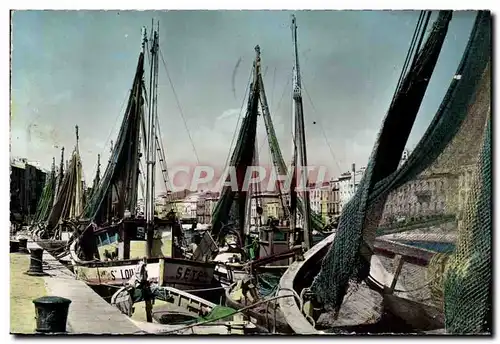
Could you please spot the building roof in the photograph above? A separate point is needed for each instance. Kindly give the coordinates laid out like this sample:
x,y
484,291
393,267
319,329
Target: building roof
x,y
345,176
22,162
18,164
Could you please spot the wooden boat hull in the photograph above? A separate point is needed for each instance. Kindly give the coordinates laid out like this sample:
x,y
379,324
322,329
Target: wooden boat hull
x,y
191,306
415,314
184,274
220,329
300,273
227,275
164,271
265,318
292,313
114,273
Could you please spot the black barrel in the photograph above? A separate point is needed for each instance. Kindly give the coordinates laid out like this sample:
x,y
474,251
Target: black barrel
x,y
51,314
23,245
14,246
36,260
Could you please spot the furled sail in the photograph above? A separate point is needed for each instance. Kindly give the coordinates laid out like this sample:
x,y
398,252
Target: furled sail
x,y
118,188
47,199
69,201
317,222
95,183
60,175
349,256
232,203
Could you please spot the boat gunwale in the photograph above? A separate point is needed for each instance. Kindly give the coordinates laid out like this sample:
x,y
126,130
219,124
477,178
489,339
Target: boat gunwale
x,y
252,313
122,262
97,264
287,303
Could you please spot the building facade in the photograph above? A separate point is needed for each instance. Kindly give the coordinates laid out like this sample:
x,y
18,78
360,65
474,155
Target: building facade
x,y
348,183
205,207
428,195
334,206
271,207
186,208
26,186
321,199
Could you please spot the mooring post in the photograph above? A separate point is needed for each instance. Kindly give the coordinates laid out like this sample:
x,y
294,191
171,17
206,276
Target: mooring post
x,y
51,314
23,245
36,261
14,246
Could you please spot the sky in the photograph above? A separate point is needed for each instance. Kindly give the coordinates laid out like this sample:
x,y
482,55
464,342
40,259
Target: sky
x,y
76,67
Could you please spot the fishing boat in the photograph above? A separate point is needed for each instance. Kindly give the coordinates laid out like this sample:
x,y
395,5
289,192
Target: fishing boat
x,y
324,278
62,199
244,293
113,236
276,242
60,206
180,312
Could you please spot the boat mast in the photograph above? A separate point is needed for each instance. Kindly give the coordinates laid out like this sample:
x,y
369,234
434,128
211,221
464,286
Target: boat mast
x,y
61,163
77,136
300,140
276,156
60,176
79,186
98,172
151,143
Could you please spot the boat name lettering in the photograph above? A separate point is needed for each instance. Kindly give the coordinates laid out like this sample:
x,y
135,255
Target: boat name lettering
x,y
126,273
190,274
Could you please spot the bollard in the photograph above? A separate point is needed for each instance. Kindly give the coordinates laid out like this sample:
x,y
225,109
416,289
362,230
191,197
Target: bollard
x,y
51,313
36,259
14,246
23,245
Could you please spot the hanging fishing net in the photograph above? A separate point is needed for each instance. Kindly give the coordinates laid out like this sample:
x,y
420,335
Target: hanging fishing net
x,y
434,209
121,172
46,200
68,203
230,209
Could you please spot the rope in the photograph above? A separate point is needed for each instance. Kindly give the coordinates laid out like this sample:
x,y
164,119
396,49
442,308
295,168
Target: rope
x,y
227,315
160,149
179,106
113,128
274,84
239,118
283,94
200,290
276,110
413,50
49,267
321,126
409,53
422,34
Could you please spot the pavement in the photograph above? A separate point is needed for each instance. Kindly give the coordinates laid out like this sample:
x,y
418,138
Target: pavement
x,y
88,312
23,290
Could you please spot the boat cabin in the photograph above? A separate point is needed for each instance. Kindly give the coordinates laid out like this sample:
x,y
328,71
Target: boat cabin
x,y
273,240
127,239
